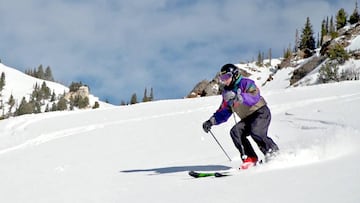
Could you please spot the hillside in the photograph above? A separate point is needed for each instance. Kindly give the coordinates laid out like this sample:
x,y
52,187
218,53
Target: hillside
x,y
297,70
21,85
141,153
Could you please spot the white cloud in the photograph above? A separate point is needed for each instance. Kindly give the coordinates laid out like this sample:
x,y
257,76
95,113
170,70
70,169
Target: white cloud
x,y
129,45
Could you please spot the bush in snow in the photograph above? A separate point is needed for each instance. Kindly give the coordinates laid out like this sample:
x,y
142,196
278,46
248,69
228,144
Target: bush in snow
x,y
329,72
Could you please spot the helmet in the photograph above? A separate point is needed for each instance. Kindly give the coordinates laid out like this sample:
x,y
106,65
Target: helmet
x,y
229,70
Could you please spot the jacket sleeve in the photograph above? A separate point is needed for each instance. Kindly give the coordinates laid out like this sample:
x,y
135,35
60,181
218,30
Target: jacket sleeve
x,y
223,113
249,92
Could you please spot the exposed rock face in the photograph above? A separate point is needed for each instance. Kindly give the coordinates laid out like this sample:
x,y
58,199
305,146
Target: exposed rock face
x,y
205,88
82,92
306,68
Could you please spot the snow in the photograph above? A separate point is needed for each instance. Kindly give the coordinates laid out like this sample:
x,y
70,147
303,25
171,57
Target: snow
x,y
355,44
142,152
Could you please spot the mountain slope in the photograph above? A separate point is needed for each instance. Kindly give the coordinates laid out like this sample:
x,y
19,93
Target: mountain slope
x,y
142,152
21,85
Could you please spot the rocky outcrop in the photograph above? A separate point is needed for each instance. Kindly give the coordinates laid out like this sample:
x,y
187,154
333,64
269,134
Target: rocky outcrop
x,y
82,92
306,68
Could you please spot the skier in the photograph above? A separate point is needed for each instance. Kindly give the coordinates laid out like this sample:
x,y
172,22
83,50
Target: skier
x,y
241,96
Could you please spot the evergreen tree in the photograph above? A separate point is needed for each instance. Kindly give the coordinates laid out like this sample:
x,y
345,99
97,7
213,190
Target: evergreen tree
x,y
297,41
151,94
307,39
332,30
338,53
47,109
96,105
48,74
75,86
341,19
11,103
2,81
83,102
355,17
133,99
145,97
45,91
287,53
54,107
324,31
260,59
40,72
327,25
61,105
25,107
53,97
329,72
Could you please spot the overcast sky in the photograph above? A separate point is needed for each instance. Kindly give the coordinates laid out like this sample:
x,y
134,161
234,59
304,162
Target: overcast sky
x,y
121,47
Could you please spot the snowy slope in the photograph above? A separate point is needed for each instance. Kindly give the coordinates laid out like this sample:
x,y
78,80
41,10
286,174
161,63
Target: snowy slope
x,y
19,85
141,153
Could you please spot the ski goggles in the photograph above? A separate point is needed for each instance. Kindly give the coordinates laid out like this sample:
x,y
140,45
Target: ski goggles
x,y
225,77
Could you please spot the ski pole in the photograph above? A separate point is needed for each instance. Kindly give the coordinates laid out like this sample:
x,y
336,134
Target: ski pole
x,y
220,145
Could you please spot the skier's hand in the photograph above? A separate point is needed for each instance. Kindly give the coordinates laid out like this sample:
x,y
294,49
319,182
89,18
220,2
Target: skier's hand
x,y
229,96
207,125
239,98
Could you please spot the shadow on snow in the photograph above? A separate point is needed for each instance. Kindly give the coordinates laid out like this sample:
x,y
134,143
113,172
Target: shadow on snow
x,y
176,169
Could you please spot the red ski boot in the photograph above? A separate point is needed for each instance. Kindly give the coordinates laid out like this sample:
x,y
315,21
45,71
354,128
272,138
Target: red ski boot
x,y
248,162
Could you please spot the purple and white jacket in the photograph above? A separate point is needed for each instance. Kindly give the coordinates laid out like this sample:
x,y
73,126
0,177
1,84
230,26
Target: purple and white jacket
x,y
251,101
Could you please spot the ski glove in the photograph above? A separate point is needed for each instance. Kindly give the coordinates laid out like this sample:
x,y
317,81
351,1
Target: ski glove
x,y
230,97
208,124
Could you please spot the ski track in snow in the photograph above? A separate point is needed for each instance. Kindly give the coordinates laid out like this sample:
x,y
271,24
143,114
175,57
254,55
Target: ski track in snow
x,y
280,108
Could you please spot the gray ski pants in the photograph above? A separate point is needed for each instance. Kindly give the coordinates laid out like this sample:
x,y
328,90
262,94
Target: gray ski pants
x,y
255,125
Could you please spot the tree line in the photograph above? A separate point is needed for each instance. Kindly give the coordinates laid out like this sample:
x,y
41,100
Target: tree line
x,y
336,53
145,98
40,73
307,41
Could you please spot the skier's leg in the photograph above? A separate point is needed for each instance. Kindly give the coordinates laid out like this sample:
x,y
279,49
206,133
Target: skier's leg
x,y
238,134
259,128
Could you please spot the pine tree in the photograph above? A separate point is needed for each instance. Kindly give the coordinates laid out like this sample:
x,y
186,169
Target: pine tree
x,y
329,72
2,81
307,39
341,19
145,97
355,17
11,103
48,74
332,29
40,72
133,99
25,107
151,94
260,59
45,91
96,105
324,31
297,41
53,97
61,105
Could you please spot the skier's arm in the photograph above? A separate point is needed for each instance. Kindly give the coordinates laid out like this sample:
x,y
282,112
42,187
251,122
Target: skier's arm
x,y
223,113
251,94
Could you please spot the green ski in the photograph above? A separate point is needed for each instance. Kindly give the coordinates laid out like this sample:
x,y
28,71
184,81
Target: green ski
x,y
208,174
